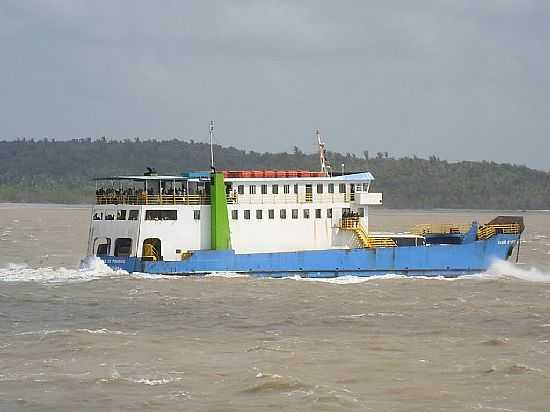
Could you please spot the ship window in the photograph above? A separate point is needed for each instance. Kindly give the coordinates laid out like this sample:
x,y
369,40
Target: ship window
x,y
329,213
247,214
133,215
271,214
240,189
282,213
196,214
331,187
98,216
361,211
358,188
342,188
161,215
264,189
365,187
296,189
103,246
121,215
252,189
306,213
234,214
109,216
259,214
286,189
317,213
294,213
275,189
123,246
319,188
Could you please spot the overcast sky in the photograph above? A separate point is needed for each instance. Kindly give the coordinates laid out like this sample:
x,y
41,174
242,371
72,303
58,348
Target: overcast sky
x,y
461,79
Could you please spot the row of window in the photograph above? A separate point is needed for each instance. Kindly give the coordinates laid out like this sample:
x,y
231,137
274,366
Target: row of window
x,y
294,213
123,247
173,214
168,214
149,215
120,215
342,188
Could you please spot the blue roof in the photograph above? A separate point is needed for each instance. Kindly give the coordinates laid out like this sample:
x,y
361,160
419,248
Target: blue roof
x,y
357,176
196,175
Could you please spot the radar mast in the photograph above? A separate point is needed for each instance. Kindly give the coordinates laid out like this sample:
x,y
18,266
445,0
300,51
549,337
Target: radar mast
x,y
325,164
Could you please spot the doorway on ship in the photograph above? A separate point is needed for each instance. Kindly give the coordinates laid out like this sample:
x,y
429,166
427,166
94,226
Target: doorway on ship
x,y
102,246
309,193
152,249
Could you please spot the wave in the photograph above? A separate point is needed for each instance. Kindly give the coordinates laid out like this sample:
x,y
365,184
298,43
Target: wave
x,y
504,269
350,279
154,276
498,270
90,268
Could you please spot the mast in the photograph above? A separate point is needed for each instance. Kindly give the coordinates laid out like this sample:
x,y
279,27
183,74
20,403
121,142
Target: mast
x,y
325,165
211,133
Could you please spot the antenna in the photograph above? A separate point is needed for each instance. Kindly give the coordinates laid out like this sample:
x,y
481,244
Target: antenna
x,y
325,166
211,133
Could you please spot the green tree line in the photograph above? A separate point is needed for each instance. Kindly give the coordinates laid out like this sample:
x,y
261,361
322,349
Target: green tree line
x,y
62,172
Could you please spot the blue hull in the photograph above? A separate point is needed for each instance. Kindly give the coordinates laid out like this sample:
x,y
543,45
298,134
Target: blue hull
x,y
432,260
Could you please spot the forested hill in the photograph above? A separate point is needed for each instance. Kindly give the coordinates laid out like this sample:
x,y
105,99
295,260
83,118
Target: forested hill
x,y
61,172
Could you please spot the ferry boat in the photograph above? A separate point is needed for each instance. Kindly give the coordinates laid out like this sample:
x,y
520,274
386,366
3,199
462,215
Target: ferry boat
x,y
276,223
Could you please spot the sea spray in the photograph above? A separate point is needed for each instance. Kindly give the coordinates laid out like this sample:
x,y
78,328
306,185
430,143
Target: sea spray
x,y
504,269
90,268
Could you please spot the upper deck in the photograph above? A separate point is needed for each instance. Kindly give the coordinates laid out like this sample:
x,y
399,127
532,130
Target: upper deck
x,y
247,186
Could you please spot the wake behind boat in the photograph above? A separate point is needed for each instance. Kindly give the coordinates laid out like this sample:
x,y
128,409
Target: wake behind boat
x,y
276,223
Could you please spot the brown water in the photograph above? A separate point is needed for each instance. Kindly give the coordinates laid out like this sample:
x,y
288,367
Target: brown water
x,y
91,339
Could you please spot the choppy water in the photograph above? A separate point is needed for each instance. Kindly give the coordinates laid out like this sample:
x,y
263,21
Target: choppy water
x,y
92,339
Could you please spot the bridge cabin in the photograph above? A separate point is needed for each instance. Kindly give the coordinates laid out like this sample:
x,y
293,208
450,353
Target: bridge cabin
x,y
167,217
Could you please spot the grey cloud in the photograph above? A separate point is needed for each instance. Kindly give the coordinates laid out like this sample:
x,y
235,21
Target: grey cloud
x,y
460,79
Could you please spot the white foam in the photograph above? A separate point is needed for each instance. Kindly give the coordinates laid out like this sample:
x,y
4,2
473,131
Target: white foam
x,y
226,275
349,279
503,269
154,382
90,268
154,276
104,331
42,332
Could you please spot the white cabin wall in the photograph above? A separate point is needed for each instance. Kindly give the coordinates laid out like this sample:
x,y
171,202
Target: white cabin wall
x,y
112,229
185,233
283,235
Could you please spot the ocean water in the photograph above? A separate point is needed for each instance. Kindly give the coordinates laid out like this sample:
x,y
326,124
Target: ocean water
x,y
83,337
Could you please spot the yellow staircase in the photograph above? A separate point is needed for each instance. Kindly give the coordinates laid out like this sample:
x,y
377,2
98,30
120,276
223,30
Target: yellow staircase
x,y
366,241
150,252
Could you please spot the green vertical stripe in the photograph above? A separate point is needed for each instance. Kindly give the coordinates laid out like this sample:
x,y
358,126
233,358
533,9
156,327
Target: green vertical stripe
x,y
219,220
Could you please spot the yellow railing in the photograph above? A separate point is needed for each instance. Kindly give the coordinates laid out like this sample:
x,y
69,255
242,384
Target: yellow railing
x,y
309,197
145,199
366,241
349,223
488,231
374,242
445,228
